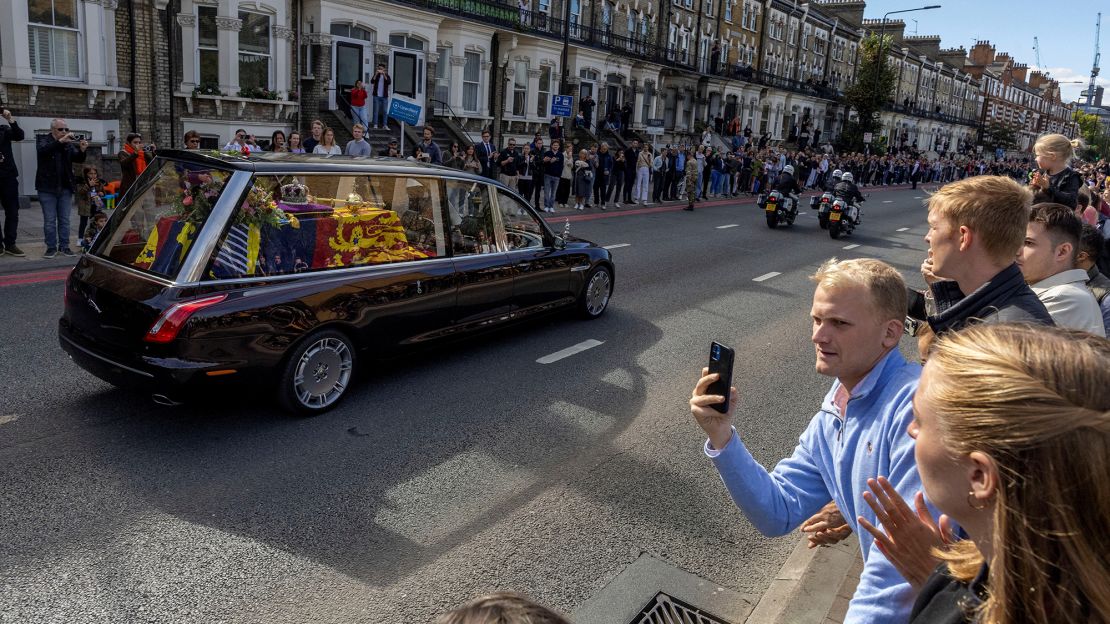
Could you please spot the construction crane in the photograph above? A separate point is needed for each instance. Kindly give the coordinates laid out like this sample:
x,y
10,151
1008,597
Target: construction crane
x,y
1037,52
1094,68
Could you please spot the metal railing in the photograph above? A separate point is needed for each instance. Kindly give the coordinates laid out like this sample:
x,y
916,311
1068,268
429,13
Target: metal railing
x,y
918,111
507,15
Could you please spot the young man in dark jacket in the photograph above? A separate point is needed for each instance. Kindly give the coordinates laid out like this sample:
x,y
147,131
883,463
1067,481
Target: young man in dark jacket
x,y
57,152
9,185
630,156
976,228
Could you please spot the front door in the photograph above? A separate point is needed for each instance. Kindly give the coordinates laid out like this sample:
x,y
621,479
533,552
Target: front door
x,y
348,68
612,98
541,273
408,75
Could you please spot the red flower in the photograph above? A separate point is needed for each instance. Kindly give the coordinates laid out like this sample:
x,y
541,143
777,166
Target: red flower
x,y
188,201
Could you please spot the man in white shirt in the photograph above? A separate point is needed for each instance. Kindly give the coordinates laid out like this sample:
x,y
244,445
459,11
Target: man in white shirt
x,y
1047,261
241,140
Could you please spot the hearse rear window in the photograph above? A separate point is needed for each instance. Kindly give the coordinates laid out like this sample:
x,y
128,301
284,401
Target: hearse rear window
x,y
158,221
303,223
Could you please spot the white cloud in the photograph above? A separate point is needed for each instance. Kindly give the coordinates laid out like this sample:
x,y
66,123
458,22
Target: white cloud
x,y
1070,92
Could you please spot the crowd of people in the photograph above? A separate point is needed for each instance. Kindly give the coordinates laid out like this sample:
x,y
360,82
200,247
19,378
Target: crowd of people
x,y
976,478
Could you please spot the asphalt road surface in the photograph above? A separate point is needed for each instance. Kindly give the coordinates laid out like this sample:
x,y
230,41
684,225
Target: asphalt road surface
x,y
459,470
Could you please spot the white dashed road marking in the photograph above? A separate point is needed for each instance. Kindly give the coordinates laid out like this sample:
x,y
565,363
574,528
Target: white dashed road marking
x,y
917,197
618,245
8,418
888,201
730,225
903,229
852,246
766,276
569,351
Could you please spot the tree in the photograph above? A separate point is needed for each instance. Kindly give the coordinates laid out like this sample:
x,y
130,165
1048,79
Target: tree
x,y
1094,134
874,87
996,135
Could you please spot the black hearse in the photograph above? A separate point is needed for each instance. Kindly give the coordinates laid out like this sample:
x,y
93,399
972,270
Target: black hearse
x,y
286,267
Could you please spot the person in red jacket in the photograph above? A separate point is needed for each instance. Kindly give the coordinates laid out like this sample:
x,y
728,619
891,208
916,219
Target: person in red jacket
x,y
358,104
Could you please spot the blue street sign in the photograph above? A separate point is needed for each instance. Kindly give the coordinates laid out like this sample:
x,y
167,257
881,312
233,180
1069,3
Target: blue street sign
x,y
405,112
562,105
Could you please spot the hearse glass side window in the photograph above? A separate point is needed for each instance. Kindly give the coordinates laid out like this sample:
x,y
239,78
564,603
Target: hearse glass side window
x,y
471,212
522,228
155,227
303,223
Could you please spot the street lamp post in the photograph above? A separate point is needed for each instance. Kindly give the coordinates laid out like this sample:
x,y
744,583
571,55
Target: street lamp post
x,y
882,40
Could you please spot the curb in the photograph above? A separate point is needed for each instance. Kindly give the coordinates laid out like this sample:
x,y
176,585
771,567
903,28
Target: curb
x,y
812,587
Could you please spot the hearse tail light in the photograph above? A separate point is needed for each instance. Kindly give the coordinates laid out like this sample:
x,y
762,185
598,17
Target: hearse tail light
x,y
166,328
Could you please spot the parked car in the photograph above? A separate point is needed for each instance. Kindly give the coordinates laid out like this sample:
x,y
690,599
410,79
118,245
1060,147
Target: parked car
x,y
288,269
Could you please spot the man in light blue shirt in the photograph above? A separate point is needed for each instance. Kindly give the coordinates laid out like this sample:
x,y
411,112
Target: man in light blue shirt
x,y
859,433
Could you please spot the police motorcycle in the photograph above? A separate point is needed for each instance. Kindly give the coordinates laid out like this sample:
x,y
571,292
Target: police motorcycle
x,y
823,202
844,215
778,206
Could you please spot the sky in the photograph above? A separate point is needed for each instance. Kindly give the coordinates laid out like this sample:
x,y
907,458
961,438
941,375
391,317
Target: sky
x,y
1065,29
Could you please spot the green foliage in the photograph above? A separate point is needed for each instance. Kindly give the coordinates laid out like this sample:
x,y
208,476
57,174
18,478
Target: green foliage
x,y
258,93
996,135
1094,134
874,87
207,88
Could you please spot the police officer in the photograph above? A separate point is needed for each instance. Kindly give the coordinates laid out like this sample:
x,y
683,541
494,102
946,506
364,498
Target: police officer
x,y
846,189
787,185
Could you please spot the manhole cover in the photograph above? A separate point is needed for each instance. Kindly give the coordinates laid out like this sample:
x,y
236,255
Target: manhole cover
x,y
664,609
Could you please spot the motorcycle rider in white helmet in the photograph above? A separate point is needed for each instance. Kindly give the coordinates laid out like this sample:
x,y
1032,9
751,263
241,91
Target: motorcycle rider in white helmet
x,y
847,190
787,185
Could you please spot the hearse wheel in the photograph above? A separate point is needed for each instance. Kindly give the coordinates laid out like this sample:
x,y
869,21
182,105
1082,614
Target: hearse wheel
x,y
317,373
595,295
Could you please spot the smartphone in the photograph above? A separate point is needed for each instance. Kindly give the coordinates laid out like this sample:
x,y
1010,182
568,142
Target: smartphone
x,y
720,362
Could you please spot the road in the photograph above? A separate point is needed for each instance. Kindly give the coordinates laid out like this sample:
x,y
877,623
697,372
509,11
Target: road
x,y
467,468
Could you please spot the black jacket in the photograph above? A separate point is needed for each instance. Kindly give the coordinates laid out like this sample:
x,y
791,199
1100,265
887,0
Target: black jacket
x,y
786,183
944,600
486,157
7,159
1005,298
1063,188
848,190
55,160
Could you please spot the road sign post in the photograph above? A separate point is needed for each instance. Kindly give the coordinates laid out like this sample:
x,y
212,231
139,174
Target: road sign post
x,y
405,111
562,105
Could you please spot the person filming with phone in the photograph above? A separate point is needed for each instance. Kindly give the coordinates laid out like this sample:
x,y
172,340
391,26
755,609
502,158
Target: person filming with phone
x,y
858,433
57,152
133,159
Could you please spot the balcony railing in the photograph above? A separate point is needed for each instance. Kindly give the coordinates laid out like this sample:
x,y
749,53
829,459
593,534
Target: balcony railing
x,y
507,15
931,114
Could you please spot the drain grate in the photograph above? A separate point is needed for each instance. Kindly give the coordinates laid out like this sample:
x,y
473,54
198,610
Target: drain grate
x,y
664,609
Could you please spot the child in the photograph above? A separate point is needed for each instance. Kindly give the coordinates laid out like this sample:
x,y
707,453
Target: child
x,y
89,195
99,220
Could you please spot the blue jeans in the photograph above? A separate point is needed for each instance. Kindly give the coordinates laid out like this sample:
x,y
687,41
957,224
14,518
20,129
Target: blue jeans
x,y
381,107
550,186
55,218
359,115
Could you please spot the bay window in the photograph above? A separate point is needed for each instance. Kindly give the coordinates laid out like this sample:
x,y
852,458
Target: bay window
x,y
472,72
53,37
254,51
208,53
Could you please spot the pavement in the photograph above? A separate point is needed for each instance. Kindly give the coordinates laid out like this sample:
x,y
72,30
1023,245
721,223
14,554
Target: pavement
x,y
463,468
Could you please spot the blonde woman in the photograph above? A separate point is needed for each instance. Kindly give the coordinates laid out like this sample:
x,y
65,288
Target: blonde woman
x,y
327,144
643,176
566,178
1012,431
1055,181
583,179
